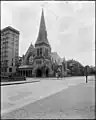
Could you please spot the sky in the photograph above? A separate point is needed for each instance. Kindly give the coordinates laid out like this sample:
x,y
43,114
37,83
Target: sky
x,y
70,26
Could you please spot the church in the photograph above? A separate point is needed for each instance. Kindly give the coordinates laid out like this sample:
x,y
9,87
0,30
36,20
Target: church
x,y
38,60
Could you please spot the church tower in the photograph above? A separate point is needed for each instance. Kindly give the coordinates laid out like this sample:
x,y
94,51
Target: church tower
x,y
42,47
42,44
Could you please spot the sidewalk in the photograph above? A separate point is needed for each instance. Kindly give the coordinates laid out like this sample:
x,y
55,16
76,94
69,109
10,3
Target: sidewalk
x,y
28,80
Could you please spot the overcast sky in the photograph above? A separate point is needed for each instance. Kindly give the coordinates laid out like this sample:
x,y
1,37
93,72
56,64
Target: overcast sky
x,y
70,26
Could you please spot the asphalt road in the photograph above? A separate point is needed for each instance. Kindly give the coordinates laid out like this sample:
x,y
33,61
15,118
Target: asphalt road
x,y
76,101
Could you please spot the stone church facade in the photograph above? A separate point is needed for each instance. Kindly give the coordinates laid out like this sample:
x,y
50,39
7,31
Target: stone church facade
x,y
37,62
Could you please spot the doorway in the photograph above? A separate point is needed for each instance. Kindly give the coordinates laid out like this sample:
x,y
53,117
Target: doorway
x,y
39,73
47,71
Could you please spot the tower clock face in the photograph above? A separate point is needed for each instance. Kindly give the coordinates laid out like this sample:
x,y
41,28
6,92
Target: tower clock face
x,y
30,59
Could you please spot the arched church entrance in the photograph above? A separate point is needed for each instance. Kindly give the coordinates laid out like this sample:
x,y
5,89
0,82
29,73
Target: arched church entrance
x,y
47,72
38,73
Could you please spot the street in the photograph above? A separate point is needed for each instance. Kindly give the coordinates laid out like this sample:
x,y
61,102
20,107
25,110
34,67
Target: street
x,y
50,98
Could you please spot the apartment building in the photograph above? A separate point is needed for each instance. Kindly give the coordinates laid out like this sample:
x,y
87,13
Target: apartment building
x,y
9,49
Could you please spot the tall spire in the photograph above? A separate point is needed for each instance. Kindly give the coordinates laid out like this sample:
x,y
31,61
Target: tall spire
x,y
42,36
42,22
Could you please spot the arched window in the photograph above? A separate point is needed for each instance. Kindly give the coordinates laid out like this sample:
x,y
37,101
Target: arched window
x,y
37,51
40,51
30,59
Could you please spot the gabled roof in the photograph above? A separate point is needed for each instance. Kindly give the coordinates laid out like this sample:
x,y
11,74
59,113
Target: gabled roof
x,y
42,36
28,53
31,47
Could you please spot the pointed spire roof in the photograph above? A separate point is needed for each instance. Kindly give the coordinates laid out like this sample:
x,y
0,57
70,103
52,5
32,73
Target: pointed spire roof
x,y
42,36
42,22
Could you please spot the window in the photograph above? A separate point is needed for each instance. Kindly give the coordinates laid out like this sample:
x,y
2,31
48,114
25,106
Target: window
x,y
12,63
16,50
16,45
30,59
5,56
5,69
46,52
37,52
10,69
7,37
40,51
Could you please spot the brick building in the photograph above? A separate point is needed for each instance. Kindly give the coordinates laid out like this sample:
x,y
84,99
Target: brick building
x,y
9,49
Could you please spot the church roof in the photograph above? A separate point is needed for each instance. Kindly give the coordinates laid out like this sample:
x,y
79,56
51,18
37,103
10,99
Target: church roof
x,y
56,57
30,49
42,36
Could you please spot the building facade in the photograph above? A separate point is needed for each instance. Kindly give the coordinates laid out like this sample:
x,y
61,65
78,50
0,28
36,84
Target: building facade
x,y
9,49
38,60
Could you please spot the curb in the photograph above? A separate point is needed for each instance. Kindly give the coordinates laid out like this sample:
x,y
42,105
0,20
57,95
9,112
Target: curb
x,y
17,83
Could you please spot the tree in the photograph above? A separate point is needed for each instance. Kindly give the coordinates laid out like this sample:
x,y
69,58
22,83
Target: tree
x,y
76,68
90,69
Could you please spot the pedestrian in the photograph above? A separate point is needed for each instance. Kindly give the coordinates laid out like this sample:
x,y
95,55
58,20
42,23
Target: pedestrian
x,y
86,73
86,78
58,75
58,72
